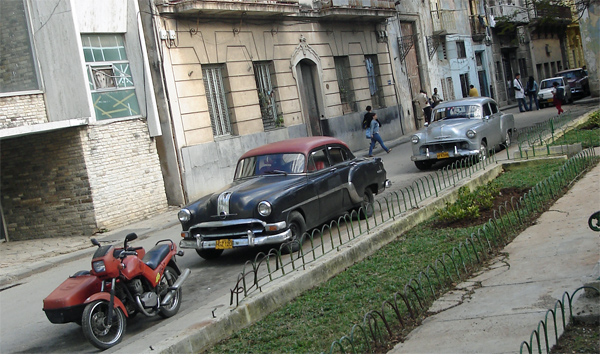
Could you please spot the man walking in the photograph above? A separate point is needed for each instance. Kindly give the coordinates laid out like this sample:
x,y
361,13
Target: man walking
x,y
424,104
435,98
520,93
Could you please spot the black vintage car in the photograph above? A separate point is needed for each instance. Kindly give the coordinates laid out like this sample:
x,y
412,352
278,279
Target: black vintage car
x,y
279,191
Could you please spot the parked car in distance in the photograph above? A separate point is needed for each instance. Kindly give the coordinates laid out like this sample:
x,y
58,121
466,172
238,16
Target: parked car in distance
x,y
577,80
462,128
545,93
279,191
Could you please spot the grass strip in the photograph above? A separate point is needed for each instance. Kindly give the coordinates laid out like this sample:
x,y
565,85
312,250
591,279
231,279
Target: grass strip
x,y
311,322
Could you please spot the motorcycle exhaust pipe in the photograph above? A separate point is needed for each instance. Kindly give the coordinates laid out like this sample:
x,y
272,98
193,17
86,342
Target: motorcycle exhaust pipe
x,y
173,288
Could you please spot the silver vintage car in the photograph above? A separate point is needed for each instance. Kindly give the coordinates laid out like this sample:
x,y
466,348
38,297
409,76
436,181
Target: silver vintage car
x,y
462,128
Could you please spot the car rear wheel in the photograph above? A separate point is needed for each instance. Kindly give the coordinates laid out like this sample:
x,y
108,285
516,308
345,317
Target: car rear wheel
x,y
423,165
366,206
209,254
298,228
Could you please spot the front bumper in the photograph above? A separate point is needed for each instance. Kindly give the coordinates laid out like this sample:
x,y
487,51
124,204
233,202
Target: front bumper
x,y
442,155
250,240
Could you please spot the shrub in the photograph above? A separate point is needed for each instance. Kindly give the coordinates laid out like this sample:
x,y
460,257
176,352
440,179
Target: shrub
x,y
468,204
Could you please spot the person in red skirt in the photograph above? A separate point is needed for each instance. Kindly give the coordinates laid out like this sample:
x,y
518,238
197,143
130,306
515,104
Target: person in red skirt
x,y
557,96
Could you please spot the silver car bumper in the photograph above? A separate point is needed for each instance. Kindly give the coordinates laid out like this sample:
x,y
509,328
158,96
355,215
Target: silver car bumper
x,y
457,153
249,241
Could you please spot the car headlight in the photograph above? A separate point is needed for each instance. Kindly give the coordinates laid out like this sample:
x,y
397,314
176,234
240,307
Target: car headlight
x,y
184,215
471,134
415,139
264,208
99,266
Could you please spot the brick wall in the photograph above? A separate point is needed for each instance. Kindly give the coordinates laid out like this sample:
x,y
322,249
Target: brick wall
x,y
16,111
124,173
44,185
80,180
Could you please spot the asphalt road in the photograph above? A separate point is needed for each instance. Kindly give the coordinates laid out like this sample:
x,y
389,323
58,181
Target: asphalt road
x,y
25,328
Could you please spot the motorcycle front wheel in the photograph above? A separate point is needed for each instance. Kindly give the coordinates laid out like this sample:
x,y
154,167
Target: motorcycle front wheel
x,y
95,325
170,309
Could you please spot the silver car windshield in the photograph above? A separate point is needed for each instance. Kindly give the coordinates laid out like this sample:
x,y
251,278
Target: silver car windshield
x,y
463,111
270,164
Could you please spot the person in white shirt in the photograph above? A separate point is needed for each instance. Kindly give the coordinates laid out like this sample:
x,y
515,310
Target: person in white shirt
x,y
520,93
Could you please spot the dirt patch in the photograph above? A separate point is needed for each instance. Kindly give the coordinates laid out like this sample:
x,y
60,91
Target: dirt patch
x,y
504,198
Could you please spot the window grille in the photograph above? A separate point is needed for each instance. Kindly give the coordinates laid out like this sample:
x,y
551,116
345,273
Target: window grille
x,y
372,65
217,102
266,95
342,70
464,84
109,76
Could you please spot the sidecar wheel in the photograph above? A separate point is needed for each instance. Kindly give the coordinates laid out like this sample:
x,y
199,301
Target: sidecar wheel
x,y
170,309
95,328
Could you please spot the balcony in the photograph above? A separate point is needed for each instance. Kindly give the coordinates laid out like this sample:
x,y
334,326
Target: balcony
x,y
443,22
551,15
357,10
477,24
228,8
509,13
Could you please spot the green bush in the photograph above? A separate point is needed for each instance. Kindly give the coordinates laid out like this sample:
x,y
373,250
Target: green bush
x,y
468,204
592,123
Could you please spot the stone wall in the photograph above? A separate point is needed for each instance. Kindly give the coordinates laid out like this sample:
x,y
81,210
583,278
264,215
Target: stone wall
x,y
124,172
16,111
45,187
78,181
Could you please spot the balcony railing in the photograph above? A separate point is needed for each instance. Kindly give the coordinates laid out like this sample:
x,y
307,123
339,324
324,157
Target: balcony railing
x,y
443,21
477,27
510,13
359,4
554,12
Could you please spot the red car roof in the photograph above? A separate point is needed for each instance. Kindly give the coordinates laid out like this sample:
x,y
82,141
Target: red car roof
x,y
301,145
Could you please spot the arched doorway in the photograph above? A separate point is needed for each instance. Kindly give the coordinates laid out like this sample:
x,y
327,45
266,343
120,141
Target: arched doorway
x,y
309,95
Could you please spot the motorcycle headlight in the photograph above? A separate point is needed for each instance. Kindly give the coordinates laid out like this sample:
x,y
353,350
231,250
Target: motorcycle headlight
x,y
471,134
99,266
264,208
184,215
415,139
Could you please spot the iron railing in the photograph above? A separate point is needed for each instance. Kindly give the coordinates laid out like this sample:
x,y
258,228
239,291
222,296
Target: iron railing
x,y
405,306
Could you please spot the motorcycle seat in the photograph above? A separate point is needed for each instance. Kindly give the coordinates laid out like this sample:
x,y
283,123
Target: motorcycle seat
x,y
156,255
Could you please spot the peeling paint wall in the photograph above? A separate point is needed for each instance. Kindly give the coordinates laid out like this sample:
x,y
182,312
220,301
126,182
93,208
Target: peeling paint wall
x,y
590,36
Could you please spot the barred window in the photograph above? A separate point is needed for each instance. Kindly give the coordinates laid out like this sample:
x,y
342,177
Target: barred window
x,y
375,88
217,102
109,76
461,52
266,95
344,79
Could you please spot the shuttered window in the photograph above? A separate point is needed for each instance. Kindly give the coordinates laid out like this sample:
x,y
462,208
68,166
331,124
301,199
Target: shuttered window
x,y
342,71
217,101
266,95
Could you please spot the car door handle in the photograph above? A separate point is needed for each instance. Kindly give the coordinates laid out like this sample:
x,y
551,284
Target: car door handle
x,y
333,169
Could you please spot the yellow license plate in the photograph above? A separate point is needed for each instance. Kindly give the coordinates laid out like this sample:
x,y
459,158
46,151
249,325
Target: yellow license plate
x,y
224,244
443,155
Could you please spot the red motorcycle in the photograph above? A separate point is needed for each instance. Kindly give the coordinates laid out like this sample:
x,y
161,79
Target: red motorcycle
x,y
123,282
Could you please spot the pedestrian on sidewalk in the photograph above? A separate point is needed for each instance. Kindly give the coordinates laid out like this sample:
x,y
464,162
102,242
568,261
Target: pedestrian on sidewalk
x,y
435,98
557,96
424,104
473,91
532,91
520,93
375,137
367,118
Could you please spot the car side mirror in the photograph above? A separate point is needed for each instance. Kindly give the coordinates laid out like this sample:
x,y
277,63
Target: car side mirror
x,y
426,124
486,118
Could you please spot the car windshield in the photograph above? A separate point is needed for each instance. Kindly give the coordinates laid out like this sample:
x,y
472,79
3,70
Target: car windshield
x,y
548,83
270,164
464,111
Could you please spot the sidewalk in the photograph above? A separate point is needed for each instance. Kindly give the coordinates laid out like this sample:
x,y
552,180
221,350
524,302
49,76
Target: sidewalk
x,y
498,309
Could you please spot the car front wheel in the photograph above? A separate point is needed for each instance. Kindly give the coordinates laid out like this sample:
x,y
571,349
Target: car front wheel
x,y
483,151
298,228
